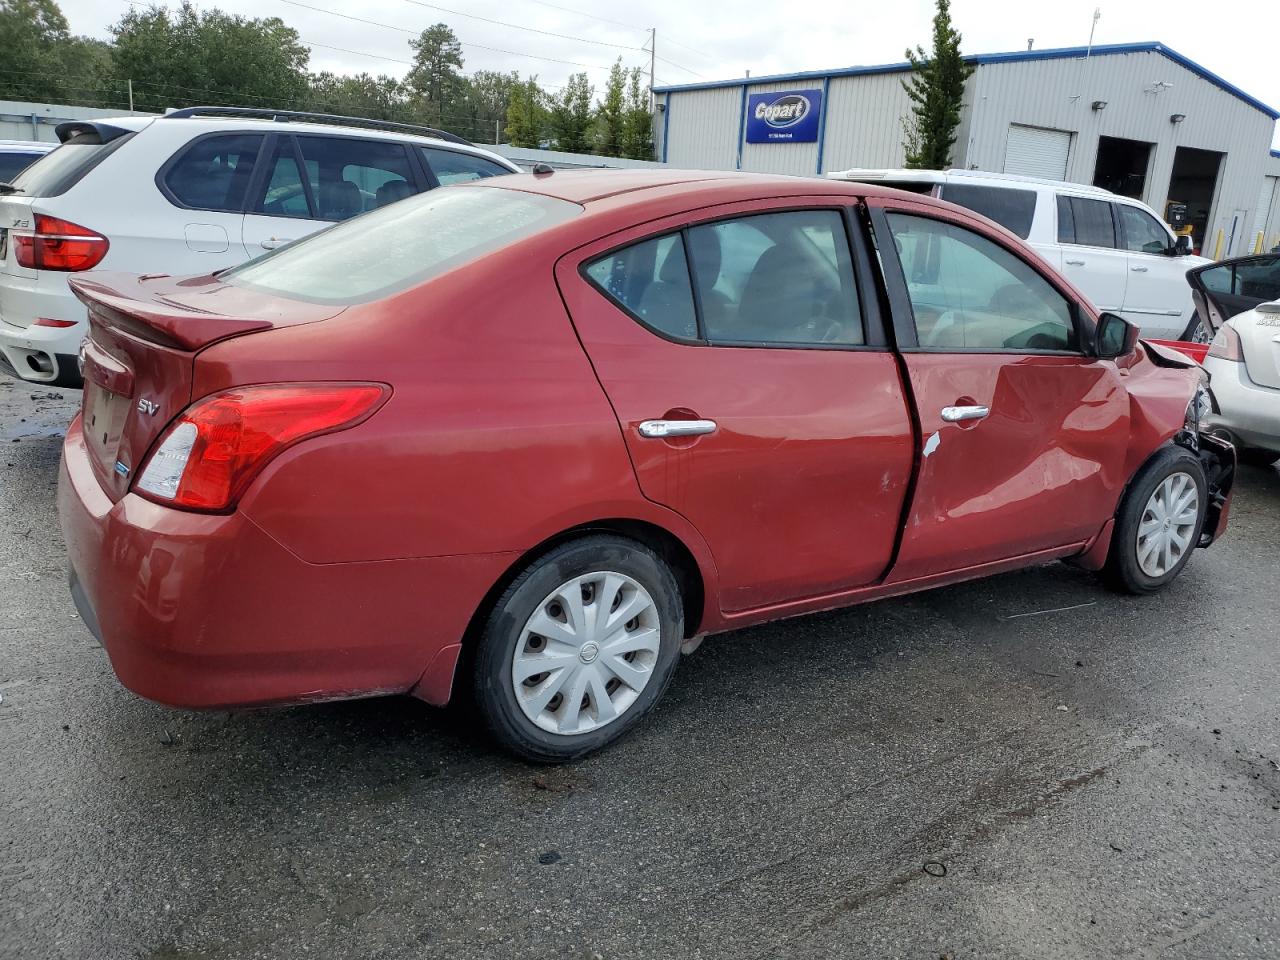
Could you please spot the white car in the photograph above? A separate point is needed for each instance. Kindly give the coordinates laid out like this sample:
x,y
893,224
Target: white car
x,y
1116,250
191,192
1241,300
17,155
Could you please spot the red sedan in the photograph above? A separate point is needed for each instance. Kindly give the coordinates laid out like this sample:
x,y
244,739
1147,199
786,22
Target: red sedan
x,y
525,439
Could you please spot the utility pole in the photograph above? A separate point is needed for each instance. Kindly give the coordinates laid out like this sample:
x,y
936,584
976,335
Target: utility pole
x,y
653,53
131,95
497,132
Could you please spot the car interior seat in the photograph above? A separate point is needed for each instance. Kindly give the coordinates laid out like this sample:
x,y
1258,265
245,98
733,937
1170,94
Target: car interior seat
x,y
339,200
391,191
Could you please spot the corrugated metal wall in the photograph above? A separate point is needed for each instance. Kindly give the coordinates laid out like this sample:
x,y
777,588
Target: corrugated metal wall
x,y
1059,94
863,126
20,120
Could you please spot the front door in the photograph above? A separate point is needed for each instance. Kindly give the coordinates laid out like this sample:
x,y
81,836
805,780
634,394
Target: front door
x,y
1156,298
757,397
1023,435
1088,252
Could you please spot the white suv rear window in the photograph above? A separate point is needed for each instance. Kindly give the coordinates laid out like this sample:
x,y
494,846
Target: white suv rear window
x,y
392,248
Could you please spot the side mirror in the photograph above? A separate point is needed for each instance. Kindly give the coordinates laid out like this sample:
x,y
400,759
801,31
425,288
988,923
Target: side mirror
x,y
1182,246
1114,337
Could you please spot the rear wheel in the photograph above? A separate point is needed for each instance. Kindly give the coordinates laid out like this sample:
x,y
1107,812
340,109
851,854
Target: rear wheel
x,y
1196,331
579,648
1159,523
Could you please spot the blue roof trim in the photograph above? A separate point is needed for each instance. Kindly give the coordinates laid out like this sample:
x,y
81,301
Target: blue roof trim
x,y
1058,53
1276,154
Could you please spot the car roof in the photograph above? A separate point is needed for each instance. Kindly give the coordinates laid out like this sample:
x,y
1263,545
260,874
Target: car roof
x,y
942,176
26,146
588,186
205,124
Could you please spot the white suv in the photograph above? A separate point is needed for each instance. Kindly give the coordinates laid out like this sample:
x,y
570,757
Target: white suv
x,y
191,192
1114,249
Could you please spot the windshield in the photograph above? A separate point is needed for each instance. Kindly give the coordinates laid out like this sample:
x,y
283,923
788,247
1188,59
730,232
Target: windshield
x,y
395,247
61,169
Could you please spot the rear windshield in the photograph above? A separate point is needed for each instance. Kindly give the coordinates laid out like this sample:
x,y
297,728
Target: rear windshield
x,y
61,169
400,245
1012,209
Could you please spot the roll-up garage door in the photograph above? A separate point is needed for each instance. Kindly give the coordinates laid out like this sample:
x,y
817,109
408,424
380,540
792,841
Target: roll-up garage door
x,y
1037,152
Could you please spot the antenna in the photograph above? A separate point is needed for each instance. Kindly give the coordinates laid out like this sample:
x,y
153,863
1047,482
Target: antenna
x,y
1097,15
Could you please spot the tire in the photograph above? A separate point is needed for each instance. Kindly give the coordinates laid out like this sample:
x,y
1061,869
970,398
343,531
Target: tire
x,y
1130,567
535,719
1196,331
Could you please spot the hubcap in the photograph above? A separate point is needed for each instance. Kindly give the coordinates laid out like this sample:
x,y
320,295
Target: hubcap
x,y
586,653
1167,524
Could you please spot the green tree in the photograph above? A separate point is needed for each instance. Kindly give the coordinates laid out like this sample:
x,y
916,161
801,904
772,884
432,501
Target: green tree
x,y
570,115
43,62
377,98
637,121
436,78
609,113
936,89
482,112
186,57
526,115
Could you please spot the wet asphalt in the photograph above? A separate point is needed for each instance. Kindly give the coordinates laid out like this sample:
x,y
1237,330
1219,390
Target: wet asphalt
x,y
958,774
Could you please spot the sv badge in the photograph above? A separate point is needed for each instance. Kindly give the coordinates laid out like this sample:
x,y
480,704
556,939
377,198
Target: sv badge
x,y
148,407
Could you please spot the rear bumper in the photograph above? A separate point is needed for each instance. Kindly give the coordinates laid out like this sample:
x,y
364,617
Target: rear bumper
x,y
40,354
209,611
1249,411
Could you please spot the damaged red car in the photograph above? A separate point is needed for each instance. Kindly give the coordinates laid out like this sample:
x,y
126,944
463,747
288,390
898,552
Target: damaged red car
x,y
527,438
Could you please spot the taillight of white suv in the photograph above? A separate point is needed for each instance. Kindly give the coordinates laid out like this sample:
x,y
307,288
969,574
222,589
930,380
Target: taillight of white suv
x,y
59,244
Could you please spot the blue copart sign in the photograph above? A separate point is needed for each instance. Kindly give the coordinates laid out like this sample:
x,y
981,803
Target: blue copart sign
x,y
784,116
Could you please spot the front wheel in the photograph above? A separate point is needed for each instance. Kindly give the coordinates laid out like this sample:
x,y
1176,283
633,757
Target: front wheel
x,y
579,648
1158,524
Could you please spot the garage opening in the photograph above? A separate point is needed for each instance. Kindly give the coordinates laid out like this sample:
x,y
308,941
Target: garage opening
x,y
1122,166
1194,182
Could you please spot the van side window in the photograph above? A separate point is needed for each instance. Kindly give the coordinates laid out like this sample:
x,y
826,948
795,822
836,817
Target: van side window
x,y
213,172
1085,222
650,280
1012,209
1141,232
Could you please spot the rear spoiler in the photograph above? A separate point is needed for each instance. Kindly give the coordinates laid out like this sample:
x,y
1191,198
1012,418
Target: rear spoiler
x,y
120,301
100,132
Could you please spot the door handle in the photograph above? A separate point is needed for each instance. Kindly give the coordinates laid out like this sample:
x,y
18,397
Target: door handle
x,y
1139,269
272,242
657,429
1075,263
957,414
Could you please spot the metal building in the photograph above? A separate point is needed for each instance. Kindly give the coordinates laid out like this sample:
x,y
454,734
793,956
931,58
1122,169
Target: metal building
x,y
1139,119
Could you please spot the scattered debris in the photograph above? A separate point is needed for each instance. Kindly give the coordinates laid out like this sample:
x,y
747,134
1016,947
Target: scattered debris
x,y
935,868
66,726
1115,848
1217,732
1079,663
168,739
1037,613
1064,708
1042,673
548,858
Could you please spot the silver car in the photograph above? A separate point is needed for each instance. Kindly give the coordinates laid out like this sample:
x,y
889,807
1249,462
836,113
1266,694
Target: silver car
x,y
1241,299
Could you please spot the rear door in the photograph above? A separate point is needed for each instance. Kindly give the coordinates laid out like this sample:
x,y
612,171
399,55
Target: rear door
x,y
1088,248
1226,290
1155,297
1024,435
755,392
282,207
207,181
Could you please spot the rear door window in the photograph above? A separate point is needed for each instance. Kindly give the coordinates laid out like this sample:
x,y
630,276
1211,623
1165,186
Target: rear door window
x,y
777,278
1085,222
347,173
213,173
283,193
452,166
1012,209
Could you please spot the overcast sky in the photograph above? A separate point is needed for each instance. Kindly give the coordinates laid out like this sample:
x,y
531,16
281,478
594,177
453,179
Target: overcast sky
x,y
719,39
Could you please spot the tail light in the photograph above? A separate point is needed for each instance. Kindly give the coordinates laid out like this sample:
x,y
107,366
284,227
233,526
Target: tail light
x,y
59,245
207,457
1226,344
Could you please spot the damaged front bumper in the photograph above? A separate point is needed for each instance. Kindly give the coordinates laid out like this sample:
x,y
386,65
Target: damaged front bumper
x,y
1218,458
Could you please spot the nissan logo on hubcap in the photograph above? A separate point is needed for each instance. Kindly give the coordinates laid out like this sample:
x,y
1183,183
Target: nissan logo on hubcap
x,y
590,650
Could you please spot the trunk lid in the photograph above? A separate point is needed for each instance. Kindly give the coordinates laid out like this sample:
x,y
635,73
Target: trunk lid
x,y
1260,339
145,333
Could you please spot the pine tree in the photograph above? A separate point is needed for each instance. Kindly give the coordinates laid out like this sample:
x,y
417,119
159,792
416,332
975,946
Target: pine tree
x,y
637,121
570,119
936,89
526,115
609,114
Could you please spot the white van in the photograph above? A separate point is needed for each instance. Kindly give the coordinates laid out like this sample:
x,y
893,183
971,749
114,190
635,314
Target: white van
x,y
1115,249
